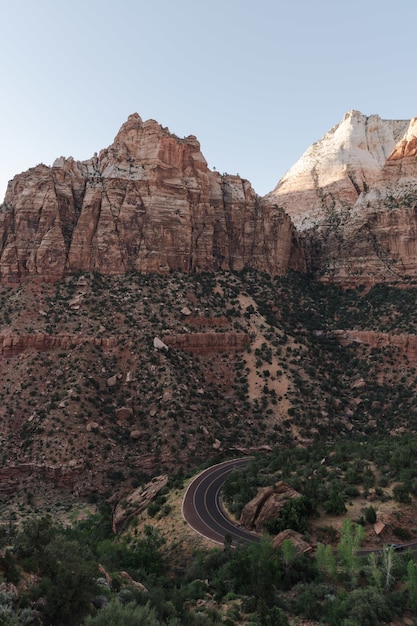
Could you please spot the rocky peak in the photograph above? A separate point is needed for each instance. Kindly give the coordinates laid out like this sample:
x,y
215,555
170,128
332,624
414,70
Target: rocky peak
x,y
333,172
407,146
148,202
146,144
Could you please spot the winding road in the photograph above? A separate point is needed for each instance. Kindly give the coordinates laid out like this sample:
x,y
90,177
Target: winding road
x,y
202,508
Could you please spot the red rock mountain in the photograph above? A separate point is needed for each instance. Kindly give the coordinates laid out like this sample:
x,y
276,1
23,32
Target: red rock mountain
x,y
149,203
146,203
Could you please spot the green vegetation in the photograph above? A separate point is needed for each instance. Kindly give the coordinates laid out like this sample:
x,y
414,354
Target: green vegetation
x,y
328,475
340,419
253,584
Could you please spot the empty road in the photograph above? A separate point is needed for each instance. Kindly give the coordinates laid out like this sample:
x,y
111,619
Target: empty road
x,y
202,508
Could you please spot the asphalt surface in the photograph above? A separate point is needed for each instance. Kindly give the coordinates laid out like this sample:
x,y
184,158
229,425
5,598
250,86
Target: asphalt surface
x,y
203,510
202,507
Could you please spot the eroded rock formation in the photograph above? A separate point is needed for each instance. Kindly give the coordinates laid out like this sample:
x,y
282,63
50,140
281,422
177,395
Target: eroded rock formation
x,y
354,195
146,203
12,343
149,203
407,344
205,343
333,172
266,506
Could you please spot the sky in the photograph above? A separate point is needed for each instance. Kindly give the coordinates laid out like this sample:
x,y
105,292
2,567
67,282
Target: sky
x,y
256,82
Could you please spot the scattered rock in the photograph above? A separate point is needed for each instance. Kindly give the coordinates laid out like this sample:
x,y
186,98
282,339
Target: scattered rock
x,y
167,395
159,345
359,384
123,413
76,302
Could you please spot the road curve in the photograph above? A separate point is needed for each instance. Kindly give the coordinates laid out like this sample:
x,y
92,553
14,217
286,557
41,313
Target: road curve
x,y
202,508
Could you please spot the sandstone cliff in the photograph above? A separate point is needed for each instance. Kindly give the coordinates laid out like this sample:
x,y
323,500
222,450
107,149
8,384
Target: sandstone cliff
x,y
377,240
333,172
354,196
149,203
146,203
407,344
208,342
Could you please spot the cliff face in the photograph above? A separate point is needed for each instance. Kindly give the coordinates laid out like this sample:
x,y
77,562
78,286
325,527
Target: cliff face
x,y
354,196
333,172
146,203
377,239
149,203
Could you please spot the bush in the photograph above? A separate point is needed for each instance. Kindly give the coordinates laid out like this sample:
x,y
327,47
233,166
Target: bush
x,y
401,494
118,614
370,515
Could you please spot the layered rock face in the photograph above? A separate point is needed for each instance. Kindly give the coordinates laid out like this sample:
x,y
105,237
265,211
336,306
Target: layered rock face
x,y
147,203
209,342
354,196
377,240
12,344
406,343
332,173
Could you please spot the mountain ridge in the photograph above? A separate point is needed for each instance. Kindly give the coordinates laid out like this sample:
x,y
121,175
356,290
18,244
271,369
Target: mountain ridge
x,y
149,203
146,203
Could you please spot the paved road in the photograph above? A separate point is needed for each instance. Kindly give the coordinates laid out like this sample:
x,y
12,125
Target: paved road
x,y
202,508
203,511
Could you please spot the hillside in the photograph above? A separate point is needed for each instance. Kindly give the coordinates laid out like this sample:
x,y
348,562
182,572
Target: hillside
x,y
90,404
157,317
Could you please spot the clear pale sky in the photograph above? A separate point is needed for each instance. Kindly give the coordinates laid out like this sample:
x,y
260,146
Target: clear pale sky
x,y
256,82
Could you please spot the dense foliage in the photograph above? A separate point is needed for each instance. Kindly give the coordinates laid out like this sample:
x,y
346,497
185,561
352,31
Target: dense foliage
x,y
328,475
254,584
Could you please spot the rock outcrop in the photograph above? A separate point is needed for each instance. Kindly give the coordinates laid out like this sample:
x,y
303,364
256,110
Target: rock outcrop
x,y
354,195
147,203
209,342
136,502
12,476
407,344
267,505
12,343
333,172
300,545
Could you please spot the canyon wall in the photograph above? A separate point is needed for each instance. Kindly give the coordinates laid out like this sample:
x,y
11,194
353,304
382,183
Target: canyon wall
x,y
353,195
346,211
147,203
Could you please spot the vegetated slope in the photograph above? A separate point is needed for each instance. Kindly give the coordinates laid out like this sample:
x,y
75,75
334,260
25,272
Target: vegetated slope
x,y
88,402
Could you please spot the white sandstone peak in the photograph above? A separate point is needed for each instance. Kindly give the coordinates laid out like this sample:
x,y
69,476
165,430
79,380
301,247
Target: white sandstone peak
x,y
335,170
